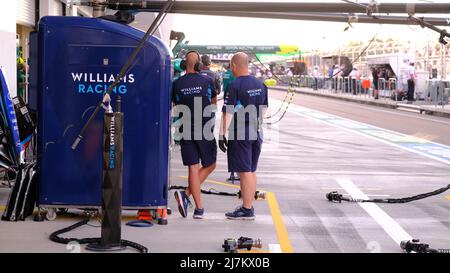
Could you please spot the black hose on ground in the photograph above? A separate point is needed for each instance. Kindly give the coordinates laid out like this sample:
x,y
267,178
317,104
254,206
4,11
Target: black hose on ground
x,y
334,196
258,194
210,191
54,237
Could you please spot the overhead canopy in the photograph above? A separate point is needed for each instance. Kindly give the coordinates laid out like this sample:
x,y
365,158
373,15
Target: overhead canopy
x,y
327,17
342,11
228,6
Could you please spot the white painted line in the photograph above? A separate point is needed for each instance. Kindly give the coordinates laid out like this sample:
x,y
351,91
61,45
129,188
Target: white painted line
x,y
274,248
392,228
375,195
366,189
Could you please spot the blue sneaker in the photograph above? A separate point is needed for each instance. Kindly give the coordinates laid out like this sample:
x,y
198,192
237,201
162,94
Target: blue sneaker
x,y
198,213
183,202
241,213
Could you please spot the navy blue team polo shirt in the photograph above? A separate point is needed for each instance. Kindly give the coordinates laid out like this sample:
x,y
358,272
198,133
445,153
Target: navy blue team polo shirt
x,y
185,90
244,148
243,92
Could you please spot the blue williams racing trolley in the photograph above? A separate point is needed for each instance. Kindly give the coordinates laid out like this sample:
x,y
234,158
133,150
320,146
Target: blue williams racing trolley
x,y
75,60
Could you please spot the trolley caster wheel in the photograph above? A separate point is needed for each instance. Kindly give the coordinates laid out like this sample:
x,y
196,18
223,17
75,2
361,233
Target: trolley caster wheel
x,y
62,210
98,213
169,211
39,218
154,214
162,222
51,215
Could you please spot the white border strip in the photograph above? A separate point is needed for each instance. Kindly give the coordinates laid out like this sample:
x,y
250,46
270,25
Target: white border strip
x,y
392,228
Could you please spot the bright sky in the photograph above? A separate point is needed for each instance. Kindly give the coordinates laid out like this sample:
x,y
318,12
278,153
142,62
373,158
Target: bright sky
x,y
307,35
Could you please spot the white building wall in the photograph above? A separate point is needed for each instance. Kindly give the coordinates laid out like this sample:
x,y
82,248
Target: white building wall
x,y
8,43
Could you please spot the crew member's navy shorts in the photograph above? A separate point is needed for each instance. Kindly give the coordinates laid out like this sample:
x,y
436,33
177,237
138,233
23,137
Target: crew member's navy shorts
x,y
194,151
243,155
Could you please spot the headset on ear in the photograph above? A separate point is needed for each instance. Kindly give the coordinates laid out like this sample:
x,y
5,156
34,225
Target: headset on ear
x,y
198,65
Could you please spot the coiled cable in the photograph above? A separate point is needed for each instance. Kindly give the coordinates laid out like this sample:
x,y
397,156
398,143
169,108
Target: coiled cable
x,y
54,237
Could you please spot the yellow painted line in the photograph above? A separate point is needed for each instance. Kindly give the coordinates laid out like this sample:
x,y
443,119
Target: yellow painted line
x,y
217,183
448,197
2,207
223,184
280,227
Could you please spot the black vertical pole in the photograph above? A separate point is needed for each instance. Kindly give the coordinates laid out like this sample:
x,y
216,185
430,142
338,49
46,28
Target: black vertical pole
x,y
112,182
37,14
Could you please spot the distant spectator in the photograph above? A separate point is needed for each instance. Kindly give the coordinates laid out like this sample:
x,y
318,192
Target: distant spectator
x,y
354,77
336,75
267,75
375,73
289,73
390,74
262,73
315,75
330,77
411,82
355,73
330,72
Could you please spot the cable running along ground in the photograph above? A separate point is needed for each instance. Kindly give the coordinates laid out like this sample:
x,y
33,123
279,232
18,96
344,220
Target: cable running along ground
x,y
334,196
54,237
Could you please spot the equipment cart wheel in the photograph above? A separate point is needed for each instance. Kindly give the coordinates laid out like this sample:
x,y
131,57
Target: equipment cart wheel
x,y
39,217
63,210
51,214
153,214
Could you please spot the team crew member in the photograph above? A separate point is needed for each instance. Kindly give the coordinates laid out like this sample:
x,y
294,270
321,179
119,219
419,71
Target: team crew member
x,y
195,145
227,78
243,147
206,71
